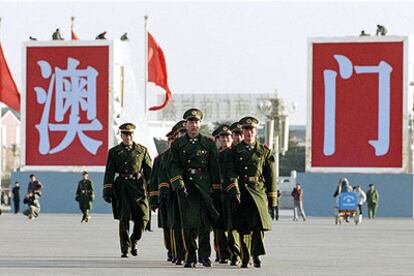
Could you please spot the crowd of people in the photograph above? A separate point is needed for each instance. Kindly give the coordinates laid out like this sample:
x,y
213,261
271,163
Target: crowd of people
x,y
199,184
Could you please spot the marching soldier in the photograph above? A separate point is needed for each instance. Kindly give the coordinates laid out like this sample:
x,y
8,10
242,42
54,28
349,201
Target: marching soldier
x,y
161,198
236,133
195,175
168,197
155,203
250,181
127,166
230,242
218,232
85,196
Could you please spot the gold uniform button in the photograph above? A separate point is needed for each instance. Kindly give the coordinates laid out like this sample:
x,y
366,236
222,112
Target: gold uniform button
x,y
189,161
245,168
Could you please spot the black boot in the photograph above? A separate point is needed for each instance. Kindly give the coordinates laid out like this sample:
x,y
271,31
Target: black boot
x,y
257,262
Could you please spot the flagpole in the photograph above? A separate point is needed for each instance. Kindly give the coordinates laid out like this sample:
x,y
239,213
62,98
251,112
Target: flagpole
x,y
146,66
72,21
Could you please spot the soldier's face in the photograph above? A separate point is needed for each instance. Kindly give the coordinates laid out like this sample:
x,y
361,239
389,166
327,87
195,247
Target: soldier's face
x,y
249,134
127,138
225,141
237,137
193,127
85,176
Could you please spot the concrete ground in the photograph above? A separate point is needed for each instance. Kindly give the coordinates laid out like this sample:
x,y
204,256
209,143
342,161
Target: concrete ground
x,y
58,244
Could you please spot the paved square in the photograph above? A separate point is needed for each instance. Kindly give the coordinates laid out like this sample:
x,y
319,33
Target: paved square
x,y
58,244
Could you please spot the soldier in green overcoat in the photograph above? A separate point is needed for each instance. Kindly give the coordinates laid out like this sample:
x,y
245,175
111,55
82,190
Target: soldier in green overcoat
x,y
127,168
221,240
168,197
85,196
195,176
250,180
236,133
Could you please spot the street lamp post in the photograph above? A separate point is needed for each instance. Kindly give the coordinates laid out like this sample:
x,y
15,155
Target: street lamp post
x,y
277,126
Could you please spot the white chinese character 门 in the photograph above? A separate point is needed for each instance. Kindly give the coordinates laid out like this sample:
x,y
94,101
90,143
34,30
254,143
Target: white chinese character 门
x,y
75,91
346,68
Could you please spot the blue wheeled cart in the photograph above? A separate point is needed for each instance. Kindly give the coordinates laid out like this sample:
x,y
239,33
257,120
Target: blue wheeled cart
x,y
347,207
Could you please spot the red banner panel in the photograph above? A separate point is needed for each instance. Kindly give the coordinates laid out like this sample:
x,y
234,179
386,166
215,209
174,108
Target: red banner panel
x,y
66,105
357,96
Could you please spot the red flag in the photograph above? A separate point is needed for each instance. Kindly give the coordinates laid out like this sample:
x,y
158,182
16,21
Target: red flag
x,y
74,36
8,90
157,70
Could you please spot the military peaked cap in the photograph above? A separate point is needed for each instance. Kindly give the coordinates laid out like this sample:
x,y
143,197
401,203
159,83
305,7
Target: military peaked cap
x,y
235,127
127,128
224,130
216,132
193,113
177,127
84,172
248,122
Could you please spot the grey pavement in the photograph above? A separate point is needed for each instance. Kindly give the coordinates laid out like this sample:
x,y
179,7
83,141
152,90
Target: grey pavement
x,y
58,244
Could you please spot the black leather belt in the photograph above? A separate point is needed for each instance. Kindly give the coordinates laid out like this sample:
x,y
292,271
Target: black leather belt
x,y
134,176
195,171
249,178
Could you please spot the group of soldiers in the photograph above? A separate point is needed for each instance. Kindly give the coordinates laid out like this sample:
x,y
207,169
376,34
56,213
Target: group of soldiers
x,y
226,184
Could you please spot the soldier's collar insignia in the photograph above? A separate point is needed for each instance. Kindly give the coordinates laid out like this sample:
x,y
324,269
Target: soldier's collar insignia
x,y
193,112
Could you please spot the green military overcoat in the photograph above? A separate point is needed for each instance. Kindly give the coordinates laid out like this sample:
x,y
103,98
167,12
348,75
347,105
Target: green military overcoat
x,y
129,198
85,194
194,166
250,171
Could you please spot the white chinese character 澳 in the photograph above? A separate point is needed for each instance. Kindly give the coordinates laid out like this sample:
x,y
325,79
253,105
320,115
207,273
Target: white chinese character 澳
x,y
75,92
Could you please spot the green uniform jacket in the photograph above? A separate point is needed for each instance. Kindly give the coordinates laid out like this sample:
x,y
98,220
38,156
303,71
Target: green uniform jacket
x,y
167,194
372,197
85,194
194,165
250,171
224,204
155,188
129,198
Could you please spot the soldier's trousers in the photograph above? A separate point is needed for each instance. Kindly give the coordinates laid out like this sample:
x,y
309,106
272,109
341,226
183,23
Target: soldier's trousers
x,y
234,242
372,209
85,213
251,245
167,241
16,206
221,244
190,244
177,244
127,241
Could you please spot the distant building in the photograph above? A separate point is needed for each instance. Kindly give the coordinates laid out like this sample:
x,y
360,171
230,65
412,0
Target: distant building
x,y
217,107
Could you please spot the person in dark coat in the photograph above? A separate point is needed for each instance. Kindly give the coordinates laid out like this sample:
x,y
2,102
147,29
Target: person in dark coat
x,y
85,196
32,200
16,197
127,169
195,176
250,179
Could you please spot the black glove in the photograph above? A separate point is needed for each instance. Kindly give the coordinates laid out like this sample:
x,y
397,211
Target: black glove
x,y
107,198
153,207
272,212
182,191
